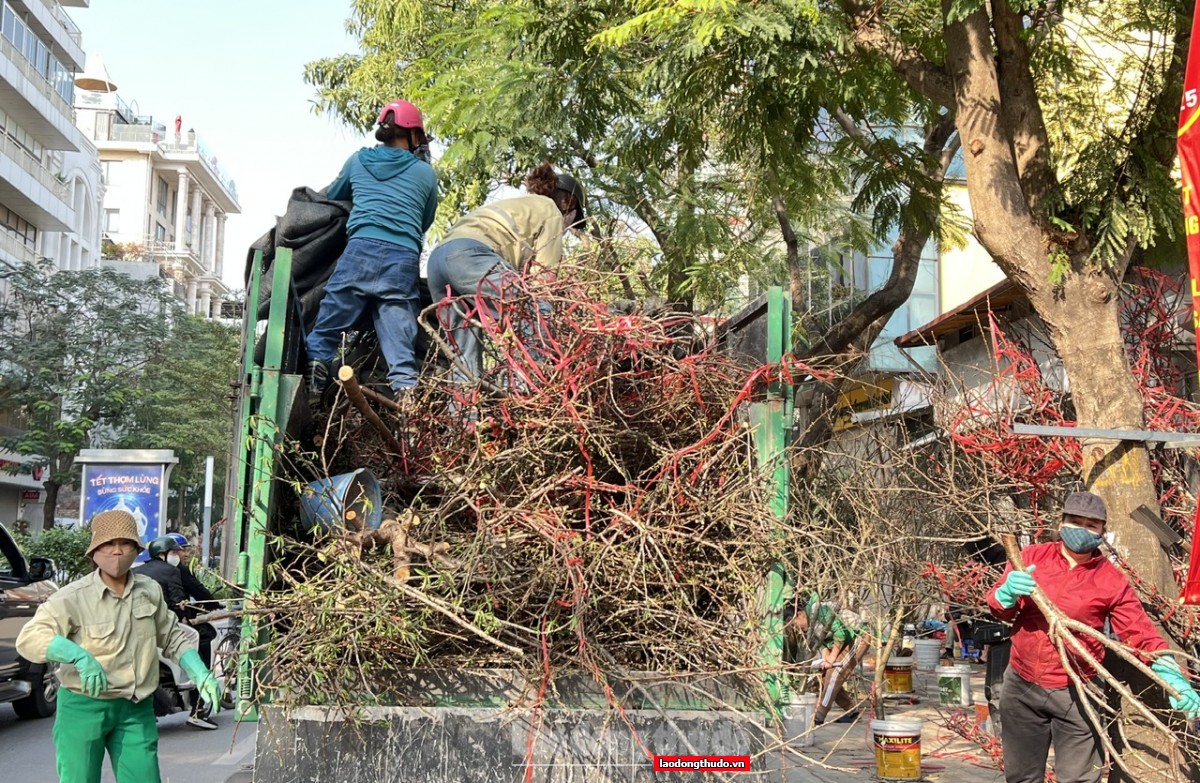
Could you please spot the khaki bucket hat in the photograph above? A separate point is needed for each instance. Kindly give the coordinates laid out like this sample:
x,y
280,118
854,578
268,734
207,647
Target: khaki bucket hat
x,y
112,525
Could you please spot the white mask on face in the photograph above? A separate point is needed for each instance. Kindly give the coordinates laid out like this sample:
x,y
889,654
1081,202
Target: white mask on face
x,y
569,219
173,559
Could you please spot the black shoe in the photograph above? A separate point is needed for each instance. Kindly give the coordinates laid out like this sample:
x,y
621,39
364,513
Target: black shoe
x,y
202,722
849,717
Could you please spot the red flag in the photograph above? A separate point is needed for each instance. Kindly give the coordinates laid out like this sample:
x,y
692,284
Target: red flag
x,y
1189,166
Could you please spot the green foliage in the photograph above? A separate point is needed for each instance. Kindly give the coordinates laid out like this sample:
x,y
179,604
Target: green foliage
x,y
66,546
685,120
74,347
211,579
183,403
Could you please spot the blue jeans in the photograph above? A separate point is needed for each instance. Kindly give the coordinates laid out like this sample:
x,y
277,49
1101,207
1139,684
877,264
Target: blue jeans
x,y
383,277
466,267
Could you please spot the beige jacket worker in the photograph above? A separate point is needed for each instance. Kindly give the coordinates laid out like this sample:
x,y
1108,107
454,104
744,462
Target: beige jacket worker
x,y
123,633
518,229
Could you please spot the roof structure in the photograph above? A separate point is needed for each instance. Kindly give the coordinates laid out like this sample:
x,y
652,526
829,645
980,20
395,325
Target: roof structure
x,y
999,298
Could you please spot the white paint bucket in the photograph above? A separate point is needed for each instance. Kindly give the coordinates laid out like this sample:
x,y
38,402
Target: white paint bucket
x,y
954,686
897,749
928,652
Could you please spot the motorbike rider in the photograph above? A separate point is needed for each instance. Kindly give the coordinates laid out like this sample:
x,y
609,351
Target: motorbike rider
x,y
195,589
163,567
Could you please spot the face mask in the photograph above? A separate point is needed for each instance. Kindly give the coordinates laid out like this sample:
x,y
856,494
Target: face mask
x,y
1080,540
115,565
173,559
422,152
569,218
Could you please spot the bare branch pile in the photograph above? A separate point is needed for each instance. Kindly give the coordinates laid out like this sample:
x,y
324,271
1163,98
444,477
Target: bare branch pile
x,y
593,503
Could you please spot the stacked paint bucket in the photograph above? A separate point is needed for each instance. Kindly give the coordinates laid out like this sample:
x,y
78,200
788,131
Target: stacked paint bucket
x,y
928,653
898,674
897,749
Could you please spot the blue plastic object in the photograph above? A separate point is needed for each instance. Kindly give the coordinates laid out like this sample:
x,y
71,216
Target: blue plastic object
x,y
349,500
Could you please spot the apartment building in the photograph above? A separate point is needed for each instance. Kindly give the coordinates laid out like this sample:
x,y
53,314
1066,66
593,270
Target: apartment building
x,y
50,187
166,196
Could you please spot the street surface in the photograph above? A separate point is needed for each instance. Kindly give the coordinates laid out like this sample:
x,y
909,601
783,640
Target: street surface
x,y
186,755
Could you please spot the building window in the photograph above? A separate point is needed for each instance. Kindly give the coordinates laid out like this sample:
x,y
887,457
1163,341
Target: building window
x,y
18,227
163,190
38,54
106,170
160,232
112,221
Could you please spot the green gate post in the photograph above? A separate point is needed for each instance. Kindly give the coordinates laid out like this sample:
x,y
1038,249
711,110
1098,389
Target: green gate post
x,y
771,420
261,437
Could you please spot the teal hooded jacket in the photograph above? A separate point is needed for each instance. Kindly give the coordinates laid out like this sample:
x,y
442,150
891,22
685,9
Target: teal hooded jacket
x,y
394,195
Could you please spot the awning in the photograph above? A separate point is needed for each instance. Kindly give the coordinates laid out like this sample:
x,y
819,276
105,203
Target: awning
x,y
999,298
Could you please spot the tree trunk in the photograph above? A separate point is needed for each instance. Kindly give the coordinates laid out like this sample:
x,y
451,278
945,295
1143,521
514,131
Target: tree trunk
x,y
48,511
1082,313
1083,316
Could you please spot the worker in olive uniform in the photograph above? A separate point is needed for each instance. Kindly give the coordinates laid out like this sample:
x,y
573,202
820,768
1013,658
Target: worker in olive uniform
x,y
106,629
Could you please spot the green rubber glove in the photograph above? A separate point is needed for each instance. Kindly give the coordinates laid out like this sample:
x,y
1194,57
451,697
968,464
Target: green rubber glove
x,y
1188,700
1017,584
206,683
91,673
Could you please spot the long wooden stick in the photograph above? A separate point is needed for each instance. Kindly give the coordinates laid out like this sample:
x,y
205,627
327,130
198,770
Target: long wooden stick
x,y
381,399
354,393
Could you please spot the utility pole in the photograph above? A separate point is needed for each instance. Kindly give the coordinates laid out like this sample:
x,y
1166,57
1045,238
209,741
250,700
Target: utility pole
x,y
206,530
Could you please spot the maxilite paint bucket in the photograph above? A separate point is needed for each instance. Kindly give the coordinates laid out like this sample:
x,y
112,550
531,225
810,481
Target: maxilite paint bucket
x,y
954,686
898,674
897,749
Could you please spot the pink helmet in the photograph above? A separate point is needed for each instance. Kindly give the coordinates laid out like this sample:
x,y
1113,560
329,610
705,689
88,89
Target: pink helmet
x,y
404,115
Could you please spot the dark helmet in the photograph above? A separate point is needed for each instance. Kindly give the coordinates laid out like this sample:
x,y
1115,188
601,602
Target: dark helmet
x,y
163,544
568,184
180,539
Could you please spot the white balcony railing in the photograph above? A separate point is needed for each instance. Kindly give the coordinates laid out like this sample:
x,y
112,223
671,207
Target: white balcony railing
x,y
186,260
34,167
196,147
140,134
39,81
72,29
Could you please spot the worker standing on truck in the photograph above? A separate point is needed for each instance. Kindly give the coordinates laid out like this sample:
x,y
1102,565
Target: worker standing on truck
x,y
487,251
1039,704
106,629
394,198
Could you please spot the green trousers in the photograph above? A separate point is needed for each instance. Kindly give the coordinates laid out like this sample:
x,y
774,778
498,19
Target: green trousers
x,y
85,728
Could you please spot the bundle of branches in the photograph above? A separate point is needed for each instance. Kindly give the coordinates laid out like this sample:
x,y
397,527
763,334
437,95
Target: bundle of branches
x,y
888,532
593,503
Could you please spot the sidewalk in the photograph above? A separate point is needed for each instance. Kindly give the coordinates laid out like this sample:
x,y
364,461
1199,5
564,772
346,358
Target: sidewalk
x,y
844,753
848,750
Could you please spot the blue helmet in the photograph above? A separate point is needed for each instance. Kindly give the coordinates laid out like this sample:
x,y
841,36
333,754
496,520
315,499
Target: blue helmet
x,y
179,538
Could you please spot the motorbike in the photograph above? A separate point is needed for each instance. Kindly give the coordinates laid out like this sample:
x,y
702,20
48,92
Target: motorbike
x,y
176,692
